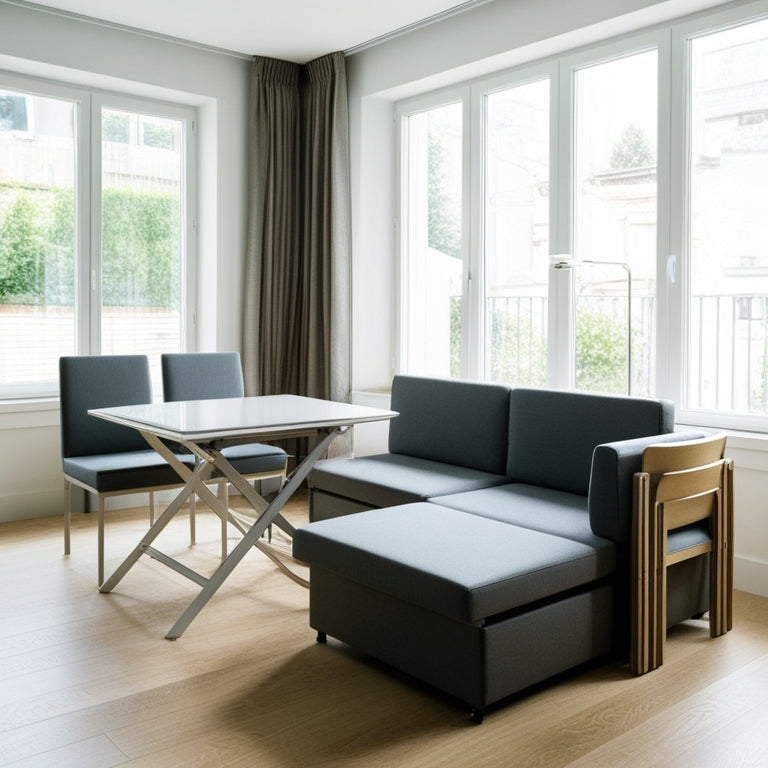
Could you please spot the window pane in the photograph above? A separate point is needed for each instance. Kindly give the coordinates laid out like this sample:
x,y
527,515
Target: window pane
x,y
37,240
615,221
142,164
517,234
432,259
728,236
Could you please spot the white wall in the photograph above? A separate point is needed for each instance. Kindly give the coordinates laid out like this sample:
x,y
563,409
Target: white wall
x,y
489,38
64,49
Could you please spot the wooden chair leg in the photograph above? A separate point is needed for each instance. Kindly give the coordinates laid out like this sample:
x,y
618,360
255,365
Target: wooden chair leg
x,y
716,571
658,634
728,554
641,597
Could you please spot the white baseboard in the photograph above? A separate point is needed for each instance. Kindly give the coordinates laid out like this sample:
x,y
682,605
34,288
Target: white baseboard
x,y
29,505
750,575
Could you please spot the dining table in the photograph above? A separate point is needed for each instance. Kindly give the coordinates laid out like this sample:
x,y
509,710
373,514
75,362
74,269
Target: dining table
x,y
204,428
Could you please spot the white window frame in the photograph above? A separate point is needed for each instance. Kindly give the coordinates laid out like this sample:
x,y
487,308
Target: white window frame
x,y
404,110
480,90
88,104
671,42
682,33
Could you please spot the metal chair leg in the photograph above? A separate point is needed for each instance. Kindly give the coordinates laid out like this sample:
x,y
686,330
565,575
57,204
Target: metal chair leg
x,y
224,496
67,515
101,540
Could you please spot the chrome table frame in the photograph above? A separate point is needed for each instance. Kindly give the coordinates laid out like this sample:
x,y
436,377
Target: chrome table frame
x,y
204,427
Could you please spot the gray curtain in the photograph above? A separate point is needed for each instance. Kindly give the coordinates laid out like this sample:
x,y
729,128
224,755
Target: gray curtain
x,y
296,337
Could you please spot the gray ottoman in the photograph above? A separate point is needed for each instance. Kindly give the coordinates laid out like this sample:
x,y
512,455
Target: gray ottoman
x,y
476,607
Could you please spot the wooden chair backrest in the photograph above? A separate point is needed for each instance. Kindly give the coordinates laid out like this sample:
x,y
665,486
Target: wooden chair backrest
x,y
686,454
686,477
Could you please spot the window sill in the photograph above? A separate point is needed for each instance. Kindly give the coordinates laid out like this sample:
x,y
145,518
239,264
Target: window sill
x,y
30,413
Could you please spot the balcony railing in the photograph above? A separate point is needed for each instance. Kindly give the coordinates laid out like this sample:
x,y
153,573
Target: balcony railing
x,y
728,346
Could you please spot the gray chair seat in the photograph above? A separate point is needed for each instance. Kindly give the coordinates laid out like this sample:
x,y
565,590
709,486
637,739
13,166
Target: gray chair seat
x,y
256,458
123,471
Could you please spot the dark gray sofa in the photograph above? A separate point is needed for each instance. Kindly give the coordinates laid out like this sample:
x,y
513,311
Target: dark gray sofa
x,y
494,550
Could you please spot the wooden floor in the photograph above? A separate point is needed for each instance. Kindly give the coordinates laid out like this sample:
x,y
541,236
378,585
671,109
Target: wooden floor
x,y
88,680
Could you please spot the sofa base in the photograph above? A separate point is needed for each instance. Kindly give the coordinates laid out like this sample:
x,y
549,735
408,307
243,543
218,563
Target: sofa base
x,y
324,506
479,664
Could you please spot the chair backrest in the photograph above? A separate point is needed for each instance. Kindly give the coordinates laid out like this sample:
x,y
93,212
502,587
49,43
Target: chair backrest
x,y
201,375
687,477
100,382
676,457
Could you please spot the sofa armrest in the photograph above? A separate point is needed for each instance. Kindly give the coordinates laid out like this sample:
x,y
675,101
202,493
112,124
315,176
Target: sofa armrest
x,y
610,482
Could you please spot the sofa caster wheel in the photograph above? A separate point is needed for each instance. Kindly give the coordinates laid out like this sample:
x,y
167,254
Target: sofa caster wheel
x,y
322,637
477,715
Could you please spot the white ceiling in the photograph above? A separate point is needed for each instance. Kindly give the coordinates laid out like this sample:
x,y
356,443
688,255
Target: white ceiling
x,y
295,30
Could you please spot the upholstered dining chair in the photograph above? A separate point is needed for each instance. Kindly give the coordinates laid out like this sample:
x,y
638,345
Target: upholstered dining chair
x,y
211,375
683,509
103,458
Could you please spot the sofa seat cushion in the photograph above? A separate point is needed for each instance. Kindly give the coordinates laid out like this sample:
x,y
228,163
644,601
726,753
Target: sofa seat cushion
x,y
466,567
389,479
530,506
108,472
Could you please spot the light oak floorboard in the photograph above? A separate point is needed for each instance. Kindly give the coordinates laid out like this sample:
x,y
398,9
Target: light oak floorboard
x,y
88,680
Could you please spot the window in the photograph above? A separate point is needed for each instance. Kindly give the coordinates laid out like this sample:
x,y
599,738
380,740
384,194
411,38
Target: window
x,y
94,253
614,224
38,238
516,242
141,234
728,221
433,271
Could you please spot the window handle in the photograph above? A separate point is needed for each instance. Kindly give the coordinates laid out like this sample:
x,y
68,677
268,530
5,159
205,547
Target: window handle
x,y
672,268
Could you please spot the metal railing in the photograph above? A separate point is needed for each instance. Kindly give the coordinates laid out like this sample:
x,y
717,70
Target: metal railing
x,y
727,350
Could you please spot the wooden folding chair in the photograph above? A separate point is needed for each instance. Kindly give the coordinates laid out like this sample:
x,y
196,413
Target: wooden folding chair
x,y
681,484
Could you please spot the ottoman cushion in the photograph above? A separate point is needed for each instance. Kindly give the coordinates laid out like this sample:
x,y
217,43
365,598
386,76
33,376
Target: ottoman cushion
x,y
463,566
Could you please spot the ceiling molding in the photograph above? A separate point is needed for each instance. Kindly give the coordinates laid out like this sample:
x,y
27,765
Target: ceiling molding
x,y
124,28
462,8
72,15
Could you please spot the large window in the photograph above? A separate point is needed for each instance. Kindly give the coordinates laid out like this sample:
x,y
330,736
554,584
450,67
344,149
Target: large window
x,y
728,221
142,164
615,227
433,270
615,224
38,238
516,241
95,196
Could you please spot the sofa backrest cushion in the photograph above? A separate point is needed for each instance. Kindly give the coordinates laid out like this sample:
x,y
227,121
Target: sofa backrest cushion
x,y
452,421
552,433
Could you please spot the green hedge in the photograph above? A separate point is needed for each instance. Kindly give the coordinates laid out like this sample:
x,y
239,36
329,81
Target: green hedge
x,y
140,247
